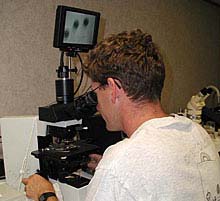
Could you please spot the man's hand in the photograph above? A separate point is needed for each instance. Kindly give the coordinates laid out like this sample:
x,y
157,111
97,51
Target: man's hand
x,y
36,185
94,160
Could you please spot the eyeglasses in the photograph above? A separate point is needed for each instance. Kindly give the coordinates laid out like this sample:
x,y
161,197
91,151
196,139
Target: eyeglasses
x,y
102,85
117,84
93,90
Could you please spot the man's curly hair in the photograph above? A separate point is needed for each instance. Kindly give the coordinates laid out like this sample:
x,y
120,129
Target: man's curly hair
x,y
133,59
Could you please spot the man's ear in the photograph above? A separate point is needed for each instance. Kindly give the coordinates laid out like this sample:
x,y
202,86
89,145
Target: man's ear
x,y
115,91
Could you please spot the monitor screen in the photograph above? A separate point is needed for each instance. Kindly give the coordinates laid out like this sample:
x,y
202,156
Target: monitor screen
x,y
79,28
75,29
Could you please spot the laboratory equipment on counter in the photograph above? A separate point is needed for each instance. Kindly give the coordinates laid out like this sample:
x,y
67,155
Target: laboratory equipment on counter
x,y
197,102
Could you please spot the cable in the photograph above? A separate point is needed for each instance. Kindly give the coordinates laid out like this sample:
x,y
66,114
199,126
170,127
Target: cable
x,y
61,59
27,154
81,78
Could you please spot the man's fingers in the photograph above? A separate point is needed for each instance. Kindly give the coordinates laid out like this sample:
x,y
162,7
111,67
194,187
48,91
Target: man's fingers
x,y
94,160
95,157
92,165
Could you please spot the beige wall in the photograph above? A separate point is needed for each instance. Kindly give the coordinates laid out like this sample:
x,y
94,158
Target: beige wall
x,y
187,32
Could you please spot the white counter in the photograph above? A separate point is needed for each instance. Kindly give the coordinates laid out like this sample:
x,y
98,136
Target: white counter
x,y
7,193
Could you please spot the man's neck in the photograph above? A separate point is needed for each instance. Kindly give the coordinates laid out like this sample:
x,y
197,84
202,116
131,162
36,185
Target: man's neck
x,y
133,115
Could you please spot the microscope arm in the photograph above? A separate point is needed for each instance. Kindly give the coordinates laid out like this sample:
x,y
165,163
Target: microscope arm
x,y
217,92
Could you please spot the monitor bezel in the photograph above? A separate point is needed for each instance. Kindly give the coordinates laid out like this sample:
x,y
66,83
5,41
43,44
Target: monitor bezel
x,y
60,25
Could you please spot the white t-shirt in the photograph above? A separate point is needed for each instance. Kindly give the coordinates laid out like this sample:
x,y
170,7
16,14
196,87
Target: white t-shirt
x,y
166,159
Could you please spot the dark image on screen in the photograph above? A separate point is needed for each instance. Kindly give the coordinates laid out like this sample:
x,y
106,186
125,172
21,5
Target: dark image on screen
x,y
79,28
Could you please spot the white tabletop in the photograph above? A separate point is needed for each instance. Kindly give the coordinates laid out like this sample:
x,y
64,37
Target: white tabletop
x,y
7,193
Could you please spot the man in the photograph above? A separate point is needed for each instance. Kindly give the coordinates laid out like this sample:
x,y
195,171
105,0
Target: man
x,y
165,157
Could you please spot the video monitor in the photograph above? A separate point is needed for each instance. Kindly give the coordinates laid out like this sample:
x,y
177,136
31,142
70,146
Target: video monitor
x,y
75,29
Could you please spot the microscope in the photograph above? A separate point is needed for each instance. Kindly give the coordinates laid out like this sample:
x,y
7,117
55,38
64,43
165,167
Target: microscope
x,y
62,154
196,107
